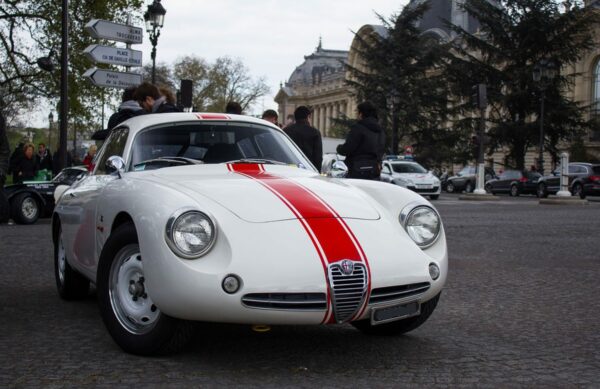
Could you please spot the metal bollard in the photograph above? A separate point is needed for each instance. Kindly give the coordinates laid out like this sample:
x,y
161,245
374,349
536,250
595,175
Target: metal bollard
x,y
564,176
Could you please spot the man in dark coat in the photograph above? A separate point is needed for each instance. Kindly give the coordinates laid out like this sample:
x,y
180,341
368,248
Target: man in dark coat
x,y
365,144
44,158
128,109
149,98
306,137
4,155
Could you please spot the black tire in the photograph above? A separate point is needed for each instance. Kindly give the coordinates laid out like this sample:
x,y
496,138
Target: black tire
x,y
578,190
151,332
70,284
542,191
488,189
514,191
25,208
469,187
401,326
450,188
434,197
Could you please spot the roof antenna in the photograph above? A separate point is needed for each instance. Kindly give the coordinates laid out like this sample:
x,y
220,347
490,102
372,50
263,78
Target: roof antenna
x,y
320,47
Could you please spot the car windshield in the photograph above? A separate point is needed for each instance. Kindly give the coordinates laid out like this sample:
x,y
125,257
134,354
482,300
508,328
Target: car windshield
x,y
408,168
215,142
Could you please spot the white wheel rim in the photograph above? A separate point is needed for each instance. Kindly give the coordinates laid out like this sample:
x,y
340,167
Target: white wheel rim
x,y
29,208
61,259
132,306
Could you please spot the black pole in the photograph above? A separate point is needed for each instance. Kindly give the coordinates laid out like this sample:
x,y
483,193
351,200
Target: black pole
x,y
64,88
480,155
153,63
541,156
395,130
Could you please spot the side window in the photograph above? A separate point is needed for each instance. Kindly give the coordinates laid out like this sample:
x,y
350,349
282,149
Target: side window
x,y
114,145
572,169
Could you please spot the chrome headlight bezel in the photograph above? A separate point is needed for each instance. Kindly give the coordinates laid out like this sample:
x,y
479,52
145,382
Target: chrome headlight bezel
x,y
171,229
409,211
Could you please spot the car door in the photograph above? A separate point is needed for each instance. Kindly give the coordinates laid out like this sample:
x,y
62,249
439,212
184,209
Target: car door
x,y
80,221
386,172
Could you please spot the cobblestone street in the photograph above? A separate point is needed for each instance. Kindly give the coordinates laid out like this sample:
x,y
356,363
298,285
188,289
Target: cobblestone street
x,y
519,309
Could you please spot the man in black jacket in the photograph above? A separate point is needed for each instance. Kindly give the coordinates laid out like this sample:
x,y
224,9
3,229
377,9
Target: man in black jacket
x,y
4,155
128,109
306,137
149,98
365,144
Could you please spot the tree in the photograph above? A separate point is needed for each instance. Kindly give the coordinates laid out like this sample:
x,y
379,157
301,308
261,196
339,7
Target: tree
x,y
513,38
401,77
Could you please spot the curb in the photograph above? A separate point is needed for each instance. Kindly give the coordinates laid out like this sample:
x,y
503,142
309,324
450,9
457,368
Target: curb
x,y
478,197
555,200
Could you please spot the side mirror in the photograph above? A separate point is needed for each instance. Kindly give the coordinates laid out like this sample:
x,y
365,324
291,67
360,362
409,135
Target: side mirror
x,y
115,164
338,170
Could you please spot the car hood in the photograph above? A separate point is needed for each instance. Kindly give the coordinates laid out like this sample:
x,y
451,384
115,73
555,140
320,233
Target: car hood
x,y
415,176
256,201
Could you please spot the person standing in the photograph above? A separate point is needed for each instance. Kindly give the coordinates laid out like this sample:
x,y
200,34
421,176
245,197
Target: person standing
x,y
44,158
150,99
233,107
306,137
4,156
27,166
364,145
271,116
88,160
128,109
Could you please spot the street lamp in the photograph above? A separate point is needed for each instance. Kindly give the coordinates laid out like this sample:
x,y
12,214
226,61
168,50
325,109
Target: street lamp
x,y
543,73
50,121
154,18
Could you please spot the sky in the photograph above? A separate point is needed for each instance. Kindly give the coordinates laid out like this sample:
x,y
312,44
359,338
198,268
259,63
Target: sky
x,y
271,37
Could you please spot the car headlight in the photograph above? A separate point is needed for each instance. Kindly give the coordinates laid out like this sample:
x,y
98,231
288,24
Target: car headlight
x,y
422,223
403,182
190,234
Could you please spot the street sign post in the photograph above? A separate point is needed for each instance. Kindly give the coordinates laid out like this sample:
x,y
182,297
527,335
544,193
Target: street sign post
x,y
110,79
103,29
114,55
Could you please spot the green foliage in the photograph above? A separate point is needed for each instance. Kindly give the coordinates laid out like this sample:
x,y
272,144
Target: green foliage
x,y
513,38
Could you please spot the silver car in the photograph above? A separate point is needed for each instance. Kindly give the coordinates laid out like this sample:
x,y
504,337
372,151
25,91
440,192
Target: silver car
x,y
413,176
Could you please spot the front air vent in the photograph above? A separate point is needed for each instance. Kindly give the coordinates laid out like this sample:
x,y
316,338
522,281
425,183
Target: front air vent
x,y
390,293
286,301
348,281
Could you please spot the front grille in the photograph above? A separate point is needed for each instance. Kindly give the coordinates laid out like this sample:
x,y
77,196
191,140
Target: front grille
x,y
347,290
389,293
286,301
429,190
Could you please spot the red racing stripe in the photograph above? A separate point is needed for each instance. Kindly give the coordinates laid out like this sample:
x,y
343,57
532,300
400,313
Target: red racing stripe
x,y
331,236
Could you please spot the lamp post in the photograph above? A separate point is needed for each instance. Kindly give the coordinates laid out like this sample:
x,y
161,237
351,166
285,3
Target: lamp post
x,y
393,101
50,121
543,73
154,18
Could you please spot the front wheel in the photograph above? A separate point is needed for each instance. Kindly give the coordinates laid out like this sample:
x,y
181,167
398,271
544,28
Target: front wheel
x,y
488,188
469,187
70,284
578,191
542,191
25,209
450,188
129,313
514,191
401,326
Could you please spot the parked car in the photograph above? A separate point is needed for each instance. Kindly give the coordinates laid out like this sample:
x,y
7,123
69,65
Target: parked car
x,y
221,218
31,200
514,182
466,179
413,176
584,180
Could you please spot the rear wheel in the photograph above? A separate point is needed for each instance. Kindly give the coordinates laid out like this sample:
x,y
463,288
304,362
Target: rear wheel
x,y
578,190
400,326
514,191
25,209
450,188
468,187
488,188
542,191
70,284
129,313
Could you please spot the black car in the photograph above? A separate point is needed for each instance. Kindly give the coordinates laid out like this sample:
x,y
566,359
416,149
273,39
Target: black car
x,y
584,180
514,182
466,179
31,200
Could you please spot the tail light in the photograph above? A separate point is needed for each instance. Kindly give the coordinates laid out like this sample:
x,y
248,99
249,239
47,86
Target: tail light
x,y
523,179
595,178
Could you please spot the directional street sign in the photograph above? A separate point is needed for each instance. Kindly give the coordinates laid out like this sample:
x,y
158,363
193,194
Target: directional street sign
x,y
103,29
112,79
113,55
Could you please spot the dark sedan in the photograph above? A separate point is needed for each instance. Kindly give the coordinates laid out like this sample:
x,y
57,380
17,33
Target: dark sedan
x,y
514,182
31,200
584,180
466,179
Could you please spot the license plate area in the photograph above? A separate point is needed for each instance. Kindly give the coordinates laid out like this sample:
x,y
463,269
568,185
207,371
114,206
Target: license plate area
x,y
424,186
395,312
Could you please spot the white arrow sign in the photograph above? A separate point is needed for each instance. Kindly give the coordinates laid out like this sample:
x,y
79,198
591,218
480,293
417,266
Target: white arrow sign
x,y
103,29
113,55
112,79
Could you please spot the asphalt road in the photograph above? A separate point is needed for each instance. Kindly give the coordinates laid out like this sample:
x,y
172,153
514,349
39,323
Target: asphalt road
x,y
520,309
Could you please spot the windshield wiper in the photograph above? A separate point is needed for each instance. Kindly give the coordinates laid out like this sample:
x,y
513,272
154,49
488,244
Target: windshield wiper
x,y
258,160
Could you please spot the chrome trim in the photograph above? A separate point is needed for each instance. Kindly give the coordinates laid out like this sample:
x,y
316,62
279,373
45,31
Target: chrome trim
x,y
278,301
348,292
413,291
408,210
417,313
169,232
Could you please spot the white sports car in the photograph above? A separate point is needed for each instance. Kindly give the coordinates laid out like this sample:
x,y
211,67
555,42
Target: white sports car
x,y
221,218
